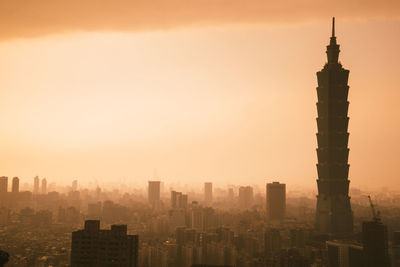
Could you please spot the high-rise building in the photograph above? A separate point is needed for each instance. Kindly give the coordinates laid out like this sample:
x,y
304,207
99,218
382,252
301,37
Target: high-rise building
x,y
15,185
174,199
375,241
178,200
245,197
208,194
344,254
334,216
36,185
276,201
94,247
3,185
44,186
154,192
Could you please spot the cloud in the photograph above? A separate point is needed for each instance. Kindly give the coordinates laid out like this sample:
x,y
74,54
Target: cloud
x,y
33,18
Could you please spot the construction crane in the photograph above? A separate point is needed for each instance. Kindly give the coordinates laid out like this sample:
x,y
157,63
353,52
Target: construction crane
x,y
376,214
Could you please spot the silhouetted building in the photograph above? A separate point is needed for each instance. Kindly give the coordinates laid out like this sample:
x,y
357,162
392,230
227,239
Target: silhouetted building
x,y
92,247
36,185
3,185
44,186
208,194
334,216
396,249
344,254
15,185
245,197
276,201
154,192
375,241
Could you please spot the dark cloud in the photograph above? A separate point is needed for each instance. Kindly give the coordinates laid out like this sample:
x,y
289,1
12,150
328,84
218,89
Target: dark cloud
x,y
31,18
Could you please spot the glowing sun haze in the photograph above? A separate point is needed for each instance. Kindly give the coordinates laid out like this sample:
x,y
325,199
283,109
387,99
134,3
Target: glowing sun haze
x,y
201,90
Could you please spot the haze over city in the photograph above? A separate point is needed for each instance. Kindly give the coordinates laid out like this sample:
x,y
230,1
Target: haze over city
x,y
197,92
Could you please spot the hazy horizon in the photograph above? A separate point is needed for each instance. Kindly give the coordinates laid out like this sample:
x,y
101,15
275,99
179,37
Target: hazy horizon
x,y
230,103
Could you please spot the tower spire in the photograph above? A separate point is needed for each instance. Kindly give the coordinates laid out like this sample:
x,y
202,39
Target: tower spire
x,y
333,26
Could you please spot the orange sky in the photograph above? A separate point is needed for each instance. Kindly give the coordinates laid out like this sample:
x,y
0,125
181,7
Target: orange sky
x,y
223,96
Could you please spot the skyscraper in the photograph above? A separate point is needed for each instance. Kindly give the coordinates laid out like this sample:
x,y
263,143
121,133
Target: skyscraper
x,y
208,192
36,185
154,192
276,201
334,216
44,186
245,197
94,247
3,185
15,185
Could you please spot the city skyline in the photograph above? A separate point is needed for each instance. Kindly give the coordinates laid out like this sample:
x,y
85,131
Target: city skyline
x,y
72,116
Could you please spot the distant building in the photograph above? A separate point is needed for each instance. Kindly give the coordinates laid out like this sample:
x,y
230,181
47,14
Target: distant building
x,y
375,241
94,247
3,185
175,199
344,254
36,185
208,192
178,200
44,186
15,185
276,201
197,217
245,197
154,192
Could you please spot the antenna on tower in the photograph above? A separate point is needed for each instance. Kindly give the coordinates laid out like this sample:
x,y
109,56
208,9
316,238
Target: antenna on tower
x,y
333,27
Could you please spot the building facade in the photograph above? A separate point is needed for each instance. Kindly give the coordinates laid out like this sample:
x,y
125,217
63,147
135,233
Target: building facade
x,y
93,247
276,201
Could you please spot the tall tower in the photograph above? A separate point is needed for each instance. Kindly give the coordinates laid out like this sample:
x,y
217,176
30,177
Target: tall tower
x,y
334,216
44,186
15,185
3,185
276,201
208,193
36,185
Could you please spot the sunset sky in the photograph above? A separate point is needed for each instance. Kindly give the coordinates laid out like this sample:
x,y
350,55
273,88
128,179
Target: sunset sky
x,y
217,90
